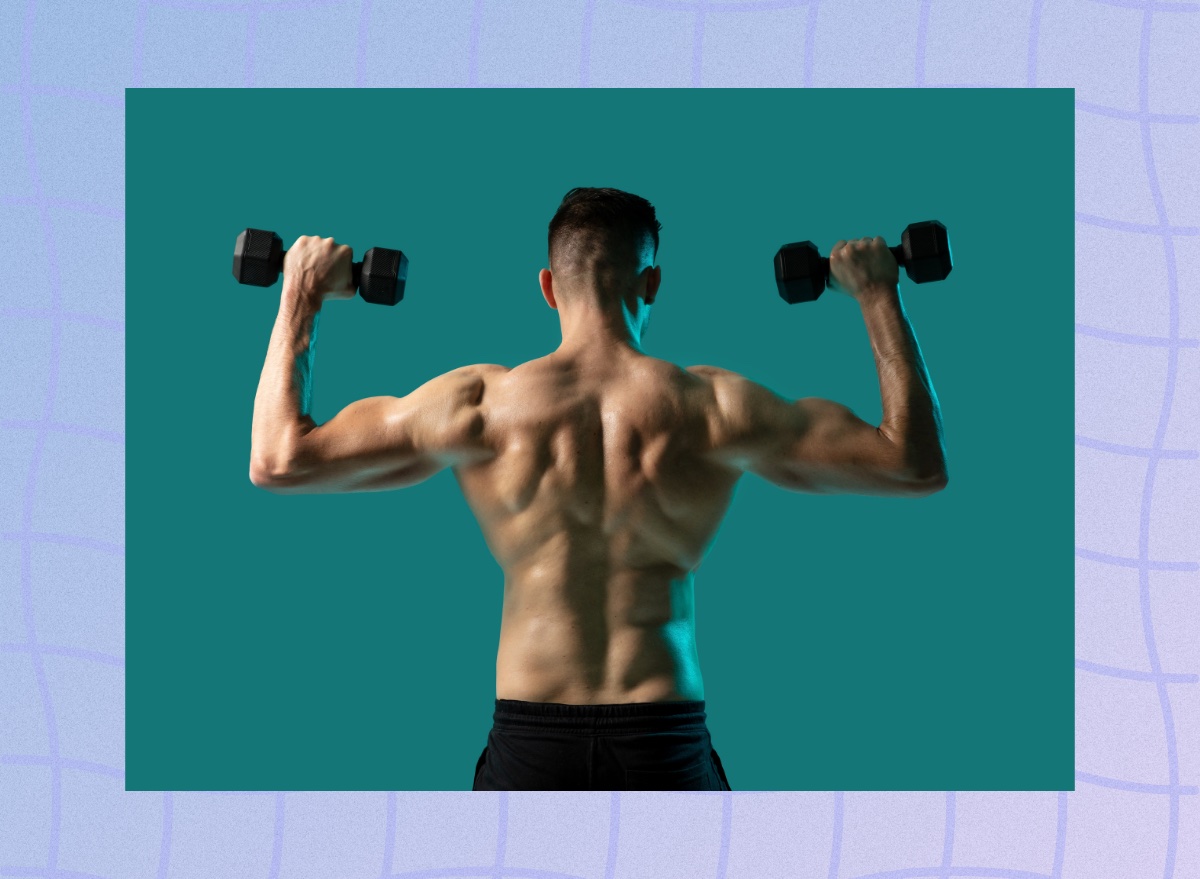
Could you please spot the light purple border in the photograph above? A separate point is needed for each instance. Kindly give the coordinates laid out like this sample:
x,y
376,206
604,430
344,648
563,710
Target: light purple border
x,y
63,810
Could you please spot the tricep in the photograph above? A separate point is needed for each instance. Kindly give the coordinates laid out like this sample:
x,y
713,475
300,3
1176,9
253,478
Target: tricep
x,y
810,444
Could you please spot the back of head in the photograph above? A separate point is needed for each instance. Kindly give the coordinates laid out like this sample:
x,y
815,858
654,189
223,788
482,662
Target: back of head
x,y
602,238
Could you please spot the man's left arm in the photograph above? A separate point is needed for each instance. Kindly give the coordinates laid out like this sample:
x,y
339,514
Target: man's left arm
x,y
374,444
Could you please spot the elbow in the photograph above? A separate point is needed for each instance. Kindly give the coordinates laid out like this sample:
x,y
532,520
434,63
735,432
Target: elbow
x,y
267,474
931,483
926,472
260,479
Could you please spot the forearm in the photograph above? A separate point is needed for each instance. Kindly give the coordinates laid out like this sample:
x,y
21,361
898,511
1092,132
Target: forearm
x,y
283,400
912,419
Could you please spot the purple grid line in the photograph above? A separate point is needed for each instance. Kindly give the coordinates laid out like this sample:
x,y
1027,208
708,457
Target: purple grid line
x,y
1123,562
64,763
1132,674
1164,698
501,835
1060,837
389,837
922,34
1137,787
835,852
1137,115
71,652
64,539
948,842
39,670
1133,451
1139,228
726,829
1133,339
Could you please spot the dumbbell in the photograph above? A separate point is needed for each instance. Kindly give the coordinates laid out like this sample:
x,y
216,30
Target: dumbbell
x,y
801,273
380,277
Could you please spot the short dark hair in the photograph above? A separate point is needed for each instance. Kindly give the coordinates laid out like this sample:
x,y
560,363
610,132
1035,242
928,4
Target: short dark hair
x,y
601,225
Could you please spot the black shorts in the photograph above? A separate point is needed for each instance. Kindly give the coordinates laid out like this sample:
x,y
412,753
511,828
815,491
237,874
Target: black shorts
x,y
633,746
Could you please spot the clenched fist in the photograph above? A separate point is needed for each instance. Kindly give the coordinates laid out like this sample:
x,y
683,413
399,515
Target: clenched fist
x,y
319,268
862,265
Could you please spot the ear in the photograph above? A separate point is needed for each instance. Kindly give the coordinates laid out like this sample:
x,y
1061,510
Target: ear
x,y
546,282
653,279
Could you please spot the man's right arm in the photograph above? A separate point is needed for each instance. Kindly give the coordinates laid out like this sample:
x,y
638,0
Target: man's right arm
x,y
820,446
866,270
912,419
810,444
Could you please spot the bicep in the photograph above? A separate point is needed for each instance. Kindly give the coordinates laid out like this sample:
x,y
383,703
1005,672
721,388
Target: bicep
x,y
810,444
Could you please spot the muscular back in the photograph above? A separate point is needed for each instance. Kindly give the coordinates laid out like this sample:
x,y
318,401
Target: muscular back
x,y
599,503
603,485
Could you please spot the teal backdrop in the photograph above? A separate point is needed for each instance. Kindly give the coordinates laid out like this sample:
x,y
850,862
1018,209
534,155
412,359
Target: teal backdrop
x,y
846,642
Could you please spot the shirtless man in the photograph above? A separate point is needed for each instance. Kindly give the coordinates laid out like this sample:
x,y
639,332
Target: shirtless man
x,y
599,476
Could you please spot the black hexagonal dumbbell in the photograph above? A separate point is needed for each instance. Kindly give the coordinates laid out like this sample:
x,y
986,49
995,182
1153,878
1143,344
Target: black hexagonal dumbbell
x,y
379,278
801,273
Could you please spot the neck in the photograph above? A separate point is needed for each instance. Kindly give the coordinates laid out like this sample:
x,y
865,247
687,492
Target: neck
x,y
601,330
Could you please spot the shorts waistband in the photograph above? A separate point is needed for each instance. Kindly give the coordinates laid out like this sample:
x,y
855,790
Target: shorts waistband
x,y
626,717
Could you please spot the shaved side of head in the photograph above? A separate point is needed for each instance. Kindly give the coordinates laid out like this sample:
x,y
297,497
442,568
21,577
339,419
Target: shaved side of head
x,y
602,238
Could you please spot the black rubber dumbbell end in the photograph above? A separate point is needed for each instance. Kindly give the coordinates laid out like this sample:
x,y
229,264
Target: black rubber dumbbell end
x,y
381,276
257,258
800,272
926,252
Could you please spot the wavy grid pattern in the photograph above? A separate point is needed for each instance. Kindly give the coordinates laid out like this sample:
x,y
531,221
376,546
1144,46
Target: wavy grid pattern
x,y
63,810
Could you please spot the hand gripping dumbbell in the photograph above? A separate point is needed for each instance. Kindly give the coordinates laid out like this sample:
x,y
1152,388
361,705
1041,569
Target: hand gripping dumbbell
x,y
801,273
380,277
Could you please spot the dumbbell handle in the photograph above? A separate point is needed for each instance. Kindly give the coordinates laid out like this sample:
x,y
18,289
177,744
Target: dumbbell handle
x,y
355,268
897,252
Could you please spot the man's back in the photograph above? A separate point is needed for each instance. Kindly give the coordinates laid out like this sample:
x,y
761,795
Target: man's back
x,y
599,500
